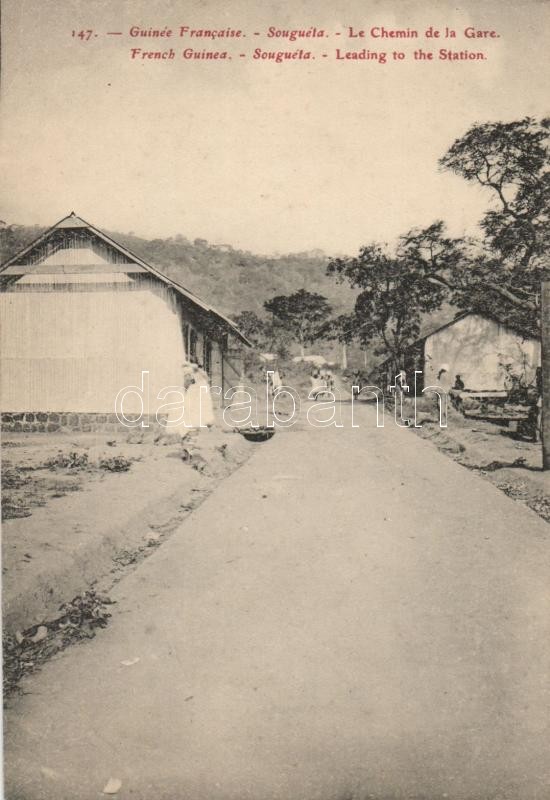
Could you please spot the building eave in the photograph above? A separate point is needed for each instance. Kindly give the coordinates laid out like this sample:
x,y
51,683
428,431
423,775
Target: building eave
x,y
72,221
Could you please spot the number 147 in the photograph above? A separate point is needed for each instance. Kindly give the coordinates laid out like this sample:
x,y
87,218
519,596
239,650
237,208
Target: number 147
x,y
84,35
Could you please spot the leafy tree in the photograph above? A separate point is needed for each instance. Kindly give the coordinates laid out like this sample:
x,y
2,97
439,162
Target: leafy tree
x,y
511,161
395,291
498,274
303,314
267,335
252,326
278,339
339,329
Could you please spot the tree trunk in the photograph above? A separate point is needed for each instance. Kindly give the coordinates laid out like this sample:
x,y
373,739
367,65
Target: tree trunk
x,y
344,356
545,361
302,349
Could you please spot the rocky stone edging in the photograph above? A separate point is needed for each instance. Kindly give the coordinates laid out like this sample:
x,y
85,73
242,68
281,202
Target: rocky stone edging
x,y
53,421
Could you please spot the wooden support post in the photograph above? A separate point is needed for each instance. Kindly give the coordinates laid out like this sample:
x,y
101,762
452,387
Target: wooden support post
x,y
545,361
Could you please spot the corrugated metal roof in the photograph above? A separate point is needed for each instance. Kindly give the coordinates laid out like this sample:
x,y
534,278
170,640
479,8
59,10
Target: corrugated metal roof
x,y
74,221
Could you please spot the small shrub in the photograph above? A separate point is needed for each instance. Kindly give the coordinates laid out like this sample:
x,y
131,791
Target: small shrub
x,y
13,507
115,464
13,479
72,460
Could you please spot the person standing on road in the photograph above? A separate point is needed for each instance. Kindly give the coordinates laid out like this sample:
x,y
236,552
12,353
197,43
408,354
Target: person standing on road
x,y
356,382
199,411
317,384
276,382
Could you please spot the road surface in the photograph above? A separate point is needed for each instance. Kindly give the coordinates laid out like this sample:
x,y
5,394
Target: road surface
x,y
350,615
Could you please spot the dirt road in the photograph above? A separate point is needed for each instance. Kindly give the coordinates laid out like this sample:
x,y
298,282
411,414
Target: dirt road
x,y
350,615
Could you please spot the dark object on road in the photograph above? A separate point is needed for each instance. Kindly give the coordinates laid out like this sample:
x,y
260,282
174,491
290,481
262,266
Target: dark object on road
x,y
256,434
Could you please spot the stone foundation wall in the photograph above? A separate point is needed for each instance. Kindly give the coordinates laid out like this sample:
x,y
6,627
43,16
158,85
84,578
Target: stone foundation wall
x,y
50,422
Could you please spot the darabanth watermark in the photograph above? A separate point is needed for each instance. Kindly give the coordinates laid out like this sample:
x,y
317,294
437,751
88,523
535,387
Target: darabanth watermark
x,y
248,407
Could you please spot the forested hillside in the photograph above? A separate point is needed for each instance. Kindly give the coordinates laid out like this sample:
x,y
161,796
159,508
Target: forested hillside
x,y
231,280
235,281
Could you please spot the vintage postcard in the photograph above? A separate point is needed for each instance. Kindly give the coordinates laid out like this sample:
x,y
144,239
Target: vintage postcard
x,y
275,399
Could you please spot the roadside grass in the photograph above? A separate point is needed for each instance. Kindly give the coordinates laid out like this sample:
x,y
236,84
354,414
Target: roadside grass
x,y
25,651
31,485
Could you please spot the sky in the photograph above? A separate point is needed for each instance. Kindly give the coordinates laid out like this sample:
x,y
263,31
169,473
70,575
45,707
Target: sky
x,y
267,157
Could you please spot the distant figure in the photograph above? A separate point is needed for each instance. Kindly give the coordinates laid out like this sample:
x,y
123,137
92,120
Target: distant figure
x,y
318,385
535,414
459,383
276,382
401,381
207,408
443,377
178,415
198,409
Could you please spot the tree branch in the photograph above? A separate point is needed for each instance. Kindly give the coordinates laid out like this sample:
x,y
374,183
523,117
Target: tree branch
x,y
500,290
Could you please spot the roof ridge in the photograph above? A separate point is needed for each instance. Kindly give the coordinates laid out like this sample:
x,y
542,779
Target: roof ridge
x,y
82,223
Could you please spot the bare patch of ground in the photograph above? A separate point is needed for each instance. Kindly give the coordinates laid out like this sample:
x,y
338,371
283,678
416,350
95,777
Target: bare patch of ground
x,y
498,454
81,509
34,472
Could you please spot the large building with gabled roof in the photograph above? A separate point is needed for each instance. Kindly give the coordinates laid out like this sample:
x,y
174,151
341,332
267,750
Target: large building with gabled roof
x,y
83,318
478,347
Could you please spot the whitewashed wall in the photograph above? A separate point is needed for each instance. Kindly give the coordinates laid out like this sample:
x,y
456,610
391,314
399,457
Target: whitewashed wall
x,y
70,344
476,348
